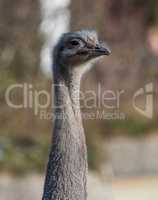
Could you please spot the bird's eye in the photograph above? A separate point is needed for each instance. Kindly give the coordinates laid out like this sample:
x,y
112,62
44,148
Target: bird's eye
x,y
74,42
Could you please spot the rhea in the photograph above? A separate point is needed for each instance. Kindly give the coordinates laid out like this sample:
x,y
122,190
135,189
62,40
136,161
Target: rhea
x,y
66,174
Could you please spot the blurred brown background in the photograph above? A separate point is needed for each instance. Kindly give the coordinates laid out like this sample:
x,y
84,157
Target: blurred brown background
x,y
120,147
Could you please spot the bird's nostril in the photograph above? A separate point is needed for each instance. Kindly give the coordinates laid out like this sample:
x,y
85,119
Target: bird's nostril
x,y
97,47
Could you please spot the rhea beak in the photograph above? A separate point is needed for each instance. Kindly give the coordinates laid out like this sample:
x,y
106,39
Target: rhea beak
x,y
100,51
95,51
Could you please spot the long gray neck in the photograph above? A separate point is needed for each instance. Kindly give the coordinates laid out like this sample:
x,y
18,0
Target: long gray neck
x,y
67,93
67,166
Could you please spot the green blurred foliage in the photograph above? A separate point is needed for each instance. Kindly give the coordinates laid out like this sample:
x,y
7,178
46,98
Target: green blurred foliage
x,y
151,10
23,156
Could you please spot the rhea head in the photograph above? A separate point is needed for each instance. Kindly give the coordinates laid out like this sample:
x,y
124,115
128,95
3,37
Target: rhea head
x,y
76,49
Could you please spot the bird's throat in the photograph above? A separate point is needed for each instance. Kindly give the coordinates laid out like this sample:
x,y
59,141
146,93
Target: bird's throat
x,y
67,94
